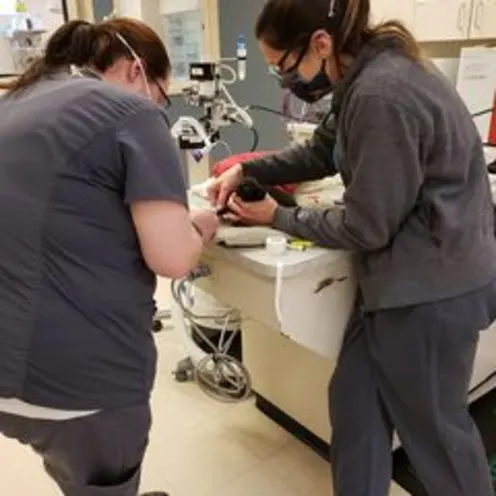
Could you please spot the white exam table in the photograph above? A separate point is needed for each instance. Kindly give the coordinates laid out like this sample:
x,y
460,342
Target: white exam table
x,y
291,361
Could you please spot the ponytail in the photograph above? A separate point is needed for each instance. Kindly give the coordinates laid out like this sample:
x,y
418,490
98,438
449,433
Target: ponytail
x,y
396,34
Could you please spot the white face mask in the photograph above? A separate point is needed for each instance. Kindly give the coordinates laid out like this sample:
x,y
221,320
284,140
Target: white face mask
x,y
139,62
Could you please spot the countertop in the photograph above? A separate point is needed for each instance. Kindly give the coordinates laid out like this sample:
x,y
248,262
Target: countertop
x,y
260,262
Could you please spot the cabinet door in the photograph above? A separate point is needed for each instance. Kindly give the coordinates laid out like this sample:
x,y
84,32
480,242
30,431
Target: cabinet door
x,y
401,10
439,20
483,23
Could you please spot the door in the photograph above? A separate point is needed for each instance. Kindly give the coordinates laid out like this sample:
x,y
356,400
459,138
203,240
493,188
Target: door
x,y
440,20
483,23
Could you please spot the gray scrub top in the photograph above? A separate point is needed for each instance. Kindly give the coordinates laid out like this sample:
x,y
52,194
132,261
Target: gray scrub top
x,y
76,297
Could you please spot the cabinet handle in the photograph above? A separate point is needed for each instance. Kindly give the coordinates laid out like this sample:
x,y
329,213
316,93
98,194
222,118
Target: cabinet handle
x,y
462,10
478,11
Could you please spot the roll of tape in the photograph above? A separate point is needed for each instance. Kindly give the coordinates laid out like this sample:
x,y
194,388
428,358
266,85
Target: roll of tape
x,y
276,245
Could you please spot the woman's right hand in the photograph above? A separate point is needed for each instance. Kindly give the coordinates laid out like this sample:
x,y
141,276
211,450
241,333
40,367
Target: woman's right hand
x,y
221,187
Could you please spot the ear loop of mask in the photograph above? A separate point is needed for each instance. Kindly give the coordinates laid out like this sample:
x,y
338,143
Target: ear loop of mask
x,y
138,61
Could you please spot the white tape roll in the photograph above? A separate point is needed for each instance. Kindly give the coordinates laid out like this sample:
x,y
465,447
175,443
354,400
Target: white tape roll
x,y
276,245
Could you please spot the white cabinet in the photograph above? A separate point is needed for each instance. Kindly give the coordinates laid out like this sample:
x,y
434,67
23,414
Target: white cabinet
x,y
483,24
442,20
401,10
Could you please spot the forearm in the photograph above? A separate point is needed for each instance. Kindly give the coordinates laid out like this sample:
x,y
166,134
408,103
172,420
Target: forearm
x,y
327,228
307,162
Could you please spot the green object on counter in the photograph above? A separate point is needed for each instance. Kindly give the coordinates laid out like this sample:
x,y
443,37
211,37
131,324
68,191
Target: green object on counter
x,y
21,7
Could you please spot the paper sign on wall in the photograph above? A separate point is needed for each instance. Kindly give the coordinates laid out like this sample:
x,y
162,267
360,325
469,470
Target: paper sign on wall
x,y
182,24
477,83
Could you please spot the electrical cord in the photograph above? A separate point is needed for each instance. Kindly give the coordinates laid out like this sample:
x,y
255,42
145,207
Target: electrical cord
x,y
256,139
232,73
268,110
218,374
483,383
480,113
278,291
223,144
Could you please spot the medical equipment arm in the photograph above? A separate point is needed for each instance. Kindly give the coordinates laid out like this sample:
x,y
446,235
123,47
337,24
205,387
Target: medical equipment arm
x,y
386,176
306,162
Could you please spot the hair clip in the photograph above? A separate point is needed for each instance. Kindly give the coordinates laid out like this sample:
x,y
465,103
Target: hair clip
x,y
332,8
75,70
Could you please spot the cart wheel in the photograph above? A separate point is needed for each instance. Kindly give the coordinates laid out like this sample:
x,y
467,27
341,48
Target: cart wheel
x,y
185,370
181,376
157,326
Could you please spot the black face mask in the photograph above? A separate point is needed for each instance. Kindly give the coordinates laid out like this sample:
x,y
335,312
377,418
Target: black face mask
x,y
308,91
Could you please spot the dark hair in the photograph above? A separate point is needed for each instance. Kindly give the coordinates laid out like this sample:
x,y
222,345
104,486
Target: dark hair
x,y
97,46
289,24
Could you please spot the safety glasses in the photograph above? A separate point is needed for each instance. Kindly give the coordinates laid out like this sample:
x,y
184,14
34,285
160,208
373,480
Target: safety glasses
x,y
287,76
163,93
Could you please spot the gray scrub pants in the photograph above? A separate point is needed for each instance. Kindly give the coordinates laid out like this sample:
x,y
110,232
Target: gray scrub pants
x,y
408,370
98,455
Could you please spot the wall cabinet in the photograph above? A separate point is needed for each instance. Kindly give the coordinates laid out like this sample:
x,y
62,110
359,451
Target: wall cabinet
x,y
483,19
441,20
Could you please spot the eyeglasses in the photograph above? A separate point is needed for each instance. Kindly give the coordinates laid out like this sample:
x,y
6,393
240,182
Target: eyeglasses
x,y
288,75
167,100
275,70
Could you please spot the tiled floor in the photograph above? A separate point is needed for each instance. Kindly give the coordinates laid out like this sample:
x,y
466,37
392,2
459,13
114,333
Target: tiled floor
x,y
198,448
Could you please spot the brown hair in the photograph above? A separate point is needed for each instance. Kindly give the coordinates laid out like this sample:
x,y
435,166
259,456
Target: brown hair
x,y
289,24
97,46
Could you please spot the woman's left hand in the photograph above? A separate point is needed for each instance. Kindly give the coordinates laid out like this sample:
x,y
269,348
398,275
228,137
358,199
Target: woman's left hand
x,y
252,213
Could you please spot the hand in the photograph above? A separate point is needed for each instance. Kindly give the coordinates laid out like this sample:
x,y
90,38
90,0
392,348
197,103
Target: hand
x,y
252,213
221,187
207,222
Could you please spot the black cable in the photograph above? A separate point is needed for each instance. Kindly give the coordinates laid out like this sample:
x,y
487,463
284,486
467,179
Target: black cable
x,y
483,112
267,109
488,379
256,139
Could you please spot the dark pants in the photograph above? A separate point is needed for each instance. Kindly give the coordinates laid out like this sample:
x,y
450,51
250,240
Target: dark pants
x,y
99,455
408,370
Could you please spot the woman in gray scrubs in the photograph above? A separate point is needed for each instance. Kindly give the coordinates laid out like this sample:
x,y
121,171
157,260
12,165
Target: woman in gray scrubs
x,y
93,205
418,213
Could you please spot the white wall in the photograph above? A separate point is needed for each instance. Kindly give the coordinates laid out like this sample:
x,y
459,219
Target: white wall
x,y
449,67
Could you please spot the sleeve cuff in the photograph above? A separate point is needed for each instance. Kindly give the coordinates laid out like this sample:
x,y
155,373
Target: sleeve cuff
x,y
284,219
